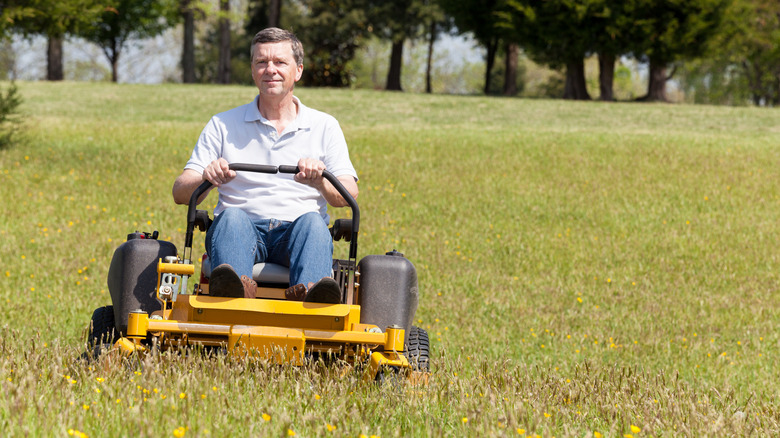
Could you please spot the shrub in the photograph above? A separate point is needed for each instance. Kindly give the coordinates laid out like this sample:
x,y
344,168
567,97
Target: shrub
x,y
9,117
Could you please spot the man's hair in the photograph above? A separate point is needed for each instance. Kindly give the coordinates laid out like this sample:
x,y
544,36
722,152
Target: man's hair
x,y
276,35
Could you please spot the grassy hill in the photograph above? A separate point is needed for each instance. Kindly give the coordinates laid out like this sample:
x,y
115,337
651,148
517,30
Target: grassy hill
x,y
585,269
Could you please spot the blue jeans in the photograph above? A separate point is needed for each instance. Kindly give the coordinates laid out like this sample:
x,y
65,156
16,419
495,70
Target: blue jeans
x,y
305,245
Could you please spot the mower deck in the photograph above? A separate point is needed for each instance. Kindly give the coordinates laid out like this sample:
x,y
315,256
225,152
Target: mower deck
x,y
279,331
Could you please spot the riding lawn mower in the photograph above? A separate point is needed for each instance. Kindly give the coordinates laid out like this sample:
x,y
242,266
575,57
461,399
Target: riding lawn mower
x,y
155,307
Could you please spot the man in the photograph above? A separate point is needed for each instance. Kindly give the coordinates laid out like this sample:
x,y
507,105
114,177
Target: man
x,y
271,218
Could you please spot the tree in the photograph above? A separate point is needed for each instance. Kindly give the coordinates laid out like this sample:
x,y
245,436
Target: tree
x,y
331,33
436,22
397,22
510,69
612,22
666,31
556,33
188,10
263,14
125,20
223,69
52,19
758,43
405,20
482,19
744,61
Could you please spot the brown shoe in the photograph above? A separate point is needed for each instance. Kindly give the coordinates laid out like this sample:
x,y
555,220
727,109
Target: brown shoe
x,y
225,282
295,293
326,291
250,287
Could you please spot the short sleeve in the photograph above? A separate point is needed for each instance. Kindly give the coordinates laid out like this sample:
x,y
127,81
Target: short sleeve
x,y
336,152
208,148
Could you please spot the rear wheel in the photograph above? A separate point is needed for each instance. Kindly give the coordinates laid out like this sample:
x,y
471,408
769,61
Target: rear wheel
x,y
418,349
102,329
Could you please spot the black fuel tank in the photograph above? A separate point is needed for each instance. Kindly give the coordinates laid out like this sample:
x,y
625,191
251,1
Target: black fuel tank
x,y
388,291
132,276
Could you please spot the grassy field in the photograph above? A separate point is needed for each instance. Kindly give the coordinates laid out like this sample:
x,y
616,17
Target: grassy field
x,y
586,269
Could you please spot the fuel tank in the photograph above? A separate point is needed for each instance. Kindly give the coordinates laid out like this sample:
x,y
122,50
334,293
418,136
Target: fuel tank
x,y
132,276
388,291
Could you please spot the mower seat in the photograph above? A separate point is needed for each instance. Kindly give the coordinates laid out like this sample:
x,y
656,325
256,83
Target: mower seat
x,y
262,273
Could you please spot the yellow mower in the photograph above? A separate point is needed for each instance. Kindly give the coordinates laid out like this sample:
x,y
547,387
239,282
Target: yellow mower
x,y
155,307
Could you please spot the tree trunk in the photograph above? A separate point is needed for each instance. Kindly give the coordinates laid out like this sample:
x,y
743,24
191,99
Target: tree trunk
x,y
188,49
656,86
114,66
575,87
429,65
54,70
510,72
223,68
606,77
490,59
274,13
396,62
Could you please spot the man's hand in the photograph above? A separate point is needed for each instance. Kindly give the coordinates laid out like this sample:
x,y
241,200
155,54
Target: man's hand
x,y
218,172
310,172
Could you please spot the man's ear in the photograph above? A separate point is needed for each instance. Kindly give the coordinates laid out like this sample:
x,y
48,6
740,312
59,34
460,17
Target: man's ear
x,y
298,73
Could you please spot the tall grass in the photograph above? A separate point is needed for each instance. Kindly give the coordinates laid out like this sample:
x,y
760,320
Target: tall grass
x,y
584,268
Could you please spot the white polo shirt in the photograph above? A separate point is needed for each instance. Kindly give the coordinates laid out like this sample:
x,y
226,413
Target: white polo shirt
x,y
242,135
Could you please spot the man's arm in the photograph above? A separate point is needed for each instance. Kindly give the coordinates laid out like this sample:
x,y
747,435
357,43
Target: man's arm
x,y
185,185
332,195
217,172
311,175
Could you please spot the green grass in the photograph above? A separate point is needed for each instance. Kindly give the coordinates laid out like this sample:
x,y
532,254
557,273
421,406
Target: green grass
x,y
583,267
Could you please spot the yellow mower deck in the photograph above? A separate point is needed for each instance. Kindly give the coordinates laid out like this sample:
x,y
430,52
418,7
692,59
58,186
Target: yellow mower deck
x,y
280,331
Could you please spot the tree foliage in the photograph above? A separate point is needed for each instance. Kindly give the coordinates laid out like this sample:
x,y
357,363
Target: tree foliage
x,y
12,12
51,17
759,44
330,33
126,20
666,31
744,63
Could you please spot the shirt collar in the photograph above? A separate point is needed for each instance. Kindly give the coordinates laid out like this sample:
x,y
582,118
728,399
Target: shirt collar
x,y
302,120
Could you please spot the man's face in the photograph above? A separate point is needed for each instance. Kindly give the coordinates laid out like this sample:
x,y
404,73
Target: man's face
x,y
274,69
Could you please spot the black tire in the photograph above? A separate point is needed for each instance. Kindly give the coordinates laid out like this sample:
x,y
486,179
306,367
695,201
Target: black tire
x,y
418,350
102,329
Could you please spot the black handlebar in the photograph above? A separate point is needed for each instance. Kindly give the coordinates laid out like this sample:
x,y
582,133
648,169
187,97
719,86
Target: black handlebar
x,y
264,168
